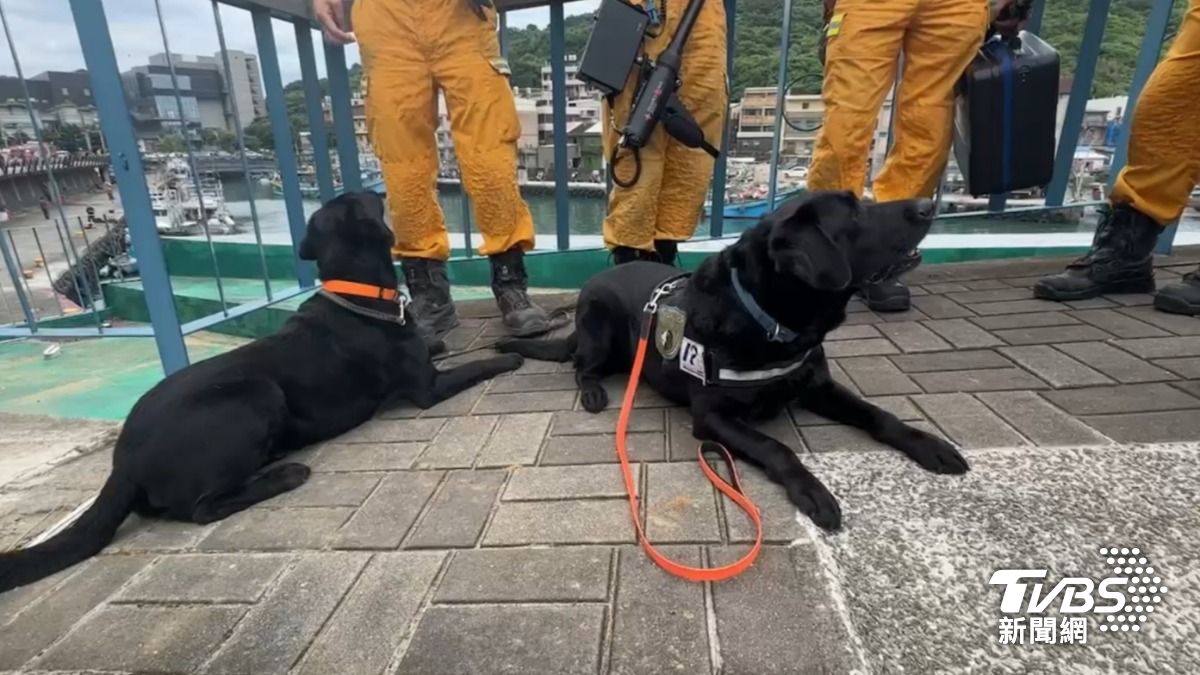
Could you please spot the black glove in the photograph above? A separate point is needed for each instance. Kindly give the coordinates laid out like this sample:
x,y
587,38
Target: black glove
x,y
1010,19
478,5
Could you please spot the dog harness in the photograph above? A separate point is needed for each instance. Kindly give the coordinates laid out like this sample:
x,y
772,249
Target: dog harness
x,y
673,342
335,289
731,488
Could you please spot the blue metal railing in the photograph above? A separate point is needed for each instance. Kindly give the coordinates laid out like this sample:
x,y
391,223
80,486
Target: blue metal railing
x,y
191,155
129,172
343,117
781,87
312,104
240,136
285,153
127,168
1081,87
1156,33
558,81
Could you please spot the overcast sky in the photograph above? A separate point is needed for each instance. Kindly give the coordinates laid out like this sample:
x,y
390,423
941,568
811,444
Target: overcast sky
x,y
46,39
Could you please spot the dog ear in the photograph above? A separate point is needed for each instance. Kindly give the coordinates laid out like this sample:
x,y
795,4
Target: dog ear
x,y
365,207
378,205
801,248
307,249
308,245
319,226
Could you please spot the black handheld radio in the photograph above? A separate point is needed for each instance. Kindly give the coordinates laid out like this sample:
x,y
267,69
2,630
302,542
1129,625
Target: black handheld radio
x,y
609,56
661,82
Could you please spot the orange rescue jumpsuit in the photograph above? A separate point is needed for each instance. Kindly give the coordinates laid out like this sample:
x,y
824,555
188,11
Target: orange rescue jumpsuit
x,y
1164,141
410,50
939,38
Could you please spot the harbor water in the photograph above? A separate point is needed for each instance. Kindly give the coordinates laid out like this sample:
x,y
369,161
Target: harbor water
x,y
586,214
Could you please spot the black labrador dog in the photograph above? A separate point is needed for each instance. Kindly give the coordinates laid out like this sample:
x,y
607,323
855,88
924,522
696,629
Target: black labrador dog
x,y
194,447
741,338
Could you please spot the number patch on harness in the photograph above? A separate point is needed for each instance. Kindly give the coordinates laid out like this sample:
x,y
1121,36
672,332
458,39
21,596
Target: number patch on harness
x,y
691,359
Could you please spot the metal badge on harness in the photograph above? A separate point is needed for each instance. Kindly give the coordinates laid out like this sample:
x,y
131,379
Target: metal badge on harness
x,y
668,331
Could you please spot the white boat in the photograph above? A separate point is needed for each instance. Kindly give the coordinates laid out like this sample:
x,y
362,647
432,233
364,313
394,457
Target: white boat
x,y
185,205
168,213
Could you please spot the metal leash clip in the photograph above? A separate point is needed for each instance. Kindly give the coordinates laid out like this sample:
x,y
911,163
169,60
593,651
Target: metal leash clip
x,y
402,302
663,290
652,305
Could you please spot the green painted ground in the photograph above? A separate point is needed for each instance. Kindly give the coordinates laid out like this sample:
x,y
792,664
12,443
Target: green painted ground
x,y
102,378
96,378
197,298
239,291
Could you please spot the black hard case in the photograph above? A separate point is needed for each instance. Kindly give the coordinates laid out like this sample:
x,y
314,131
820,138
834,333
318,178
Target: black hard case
x,y
1006,114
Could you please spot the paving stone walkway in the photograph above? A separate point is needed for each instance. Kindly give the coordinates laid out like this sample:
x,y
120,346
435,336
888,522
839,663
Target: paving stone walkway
x,y
491,534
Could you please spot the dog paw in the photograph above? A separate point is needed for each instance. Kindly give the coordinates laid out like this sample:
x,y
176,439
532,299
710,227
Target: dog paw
x,y
593,397
815,501
294,475
512,361
933,453
435,347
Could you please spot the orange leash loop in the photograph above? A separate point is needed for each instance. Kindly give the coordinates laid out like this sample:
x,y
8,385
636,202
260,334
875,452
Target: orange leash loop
x,y
733,491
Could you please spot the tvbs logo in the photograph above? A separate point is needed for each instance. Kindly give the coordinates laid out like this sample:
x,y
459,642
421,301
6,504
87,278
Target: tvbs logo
x,y
1121,601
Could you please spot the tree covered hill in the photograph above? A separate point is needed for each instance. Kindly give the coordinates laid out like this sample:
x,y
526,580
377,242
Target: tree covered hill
x,y
759,22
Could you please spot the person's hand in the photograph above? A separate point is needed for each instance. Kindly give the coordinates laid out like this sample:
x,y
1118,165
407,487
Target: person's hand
x,y
828,13
1008,17
332,16
478,5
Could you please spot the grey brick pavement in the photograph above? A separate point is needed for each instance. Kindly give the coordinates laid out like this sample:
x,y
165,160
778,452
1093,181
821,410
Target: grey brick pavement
x,y
491,533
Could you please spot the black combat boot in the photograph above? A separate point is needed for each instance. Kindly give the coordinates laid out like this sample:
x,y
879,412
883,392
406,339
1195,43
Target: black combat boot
x,y
668,251
624,254
431,303
887,296
1121,259
510,285
1181,298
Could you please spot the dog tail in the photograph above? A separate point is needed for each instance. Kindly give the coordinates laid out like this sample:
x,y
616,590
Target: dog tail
x,y
82,539
558,349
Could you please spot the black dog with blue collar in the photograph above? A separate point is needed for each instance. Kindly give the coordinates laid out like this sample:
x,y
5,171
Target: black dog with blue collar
x,y
740,340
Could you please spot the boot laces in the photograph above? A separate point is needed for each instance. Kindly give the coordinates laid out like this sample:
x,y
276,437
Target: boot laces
x,y
509,287
515,298
1106,244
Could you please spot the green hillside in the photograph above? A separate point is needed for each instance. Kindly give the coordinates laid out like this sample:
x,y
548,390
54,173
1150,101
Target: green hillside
x,y
759,23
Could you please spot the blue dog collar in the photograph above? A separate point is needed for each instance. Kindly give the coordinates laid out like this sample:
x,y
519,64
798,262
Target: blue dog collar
x,y
776,332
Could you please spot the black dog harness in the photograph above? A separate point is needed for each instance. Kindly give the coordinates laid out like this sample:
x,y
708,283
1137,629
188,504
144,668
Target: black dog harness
x,y
667,321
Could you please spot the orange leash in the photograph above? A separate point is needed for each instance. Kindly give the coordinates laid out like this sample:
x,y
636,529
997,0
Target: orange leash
x,y
732,491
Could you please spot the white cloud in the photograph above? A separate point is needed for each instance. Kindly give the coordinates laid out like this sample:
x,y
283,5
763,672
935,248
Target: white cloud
x,y
540,16
46,39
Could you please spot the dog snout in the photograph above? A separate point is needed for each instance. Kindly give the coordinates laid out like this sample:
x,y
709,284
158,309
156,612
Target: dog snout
x,y
923,208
